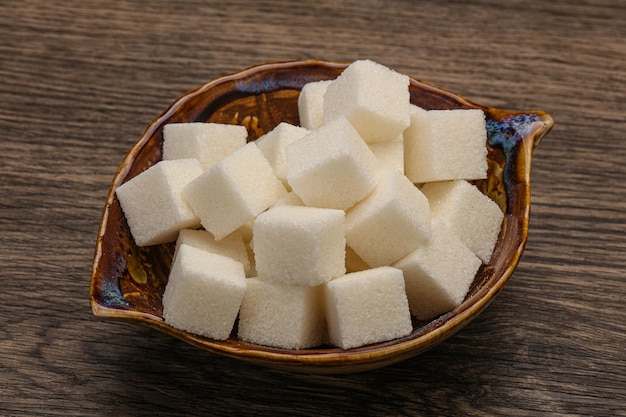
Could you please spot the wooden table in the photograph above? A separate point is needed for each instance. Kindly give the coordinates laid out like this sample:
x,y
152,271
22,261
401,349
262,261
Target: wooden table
x,y
80,81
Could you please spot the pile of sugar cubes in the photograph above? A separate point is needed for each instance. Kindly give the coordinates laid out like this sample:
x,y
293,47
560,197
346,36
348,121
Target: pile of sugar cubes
x,y
333,232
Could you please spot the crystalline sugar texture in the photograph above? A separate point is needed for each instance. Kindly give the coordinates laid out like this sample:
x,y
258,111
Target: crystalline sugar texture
x,y
153,203
391,222
390,155
439,273
204,293
299,245
367,307
234,191
232,246
373,97
473,216
274,146
311,104
209,143
444,145
283,316
331,167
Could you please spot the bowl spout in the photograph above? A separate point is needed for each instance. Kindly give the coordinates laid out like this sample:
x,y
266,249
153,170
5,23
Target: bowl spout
x,y
507,131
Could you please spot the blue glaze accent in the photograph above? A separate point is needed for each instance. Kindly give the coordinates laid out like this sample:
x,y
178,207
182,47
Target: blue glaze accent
x,y
508,132
112,295
254,86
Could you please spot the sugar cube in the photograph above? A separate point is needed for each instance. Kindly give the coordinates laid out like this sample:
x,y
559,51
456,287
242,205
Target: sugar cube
x,y
234,191
373,97
439,273
274,144
390,155
367,307
282,316
311,104
444,145
232,246
209,143
331,167
300,245
153,204
391,222
473,216
203,293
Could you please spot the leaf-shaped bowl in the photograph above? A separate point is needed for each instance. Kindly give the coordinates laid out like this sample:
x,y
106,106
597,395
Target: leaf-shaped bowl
x,y
128,281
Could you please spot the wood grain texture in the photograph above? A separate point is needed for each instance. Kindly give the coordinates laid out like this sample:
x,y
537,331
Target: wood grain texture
x,y
80,80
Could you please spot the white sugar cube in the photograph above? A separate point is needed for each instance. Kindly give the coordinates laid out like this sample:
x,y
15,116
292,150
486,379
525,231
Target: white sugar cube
x,y
373,97
367,307
439,273
473,216
298,245
391,222
331,167
274,144
204,293
282,316
153,203
311,104
232,246
234,191
390,155
446,145
209,143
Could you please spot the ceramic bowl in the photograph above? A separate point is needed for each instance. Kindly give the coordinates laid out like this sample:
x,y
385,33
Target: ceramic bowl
x,y
128,281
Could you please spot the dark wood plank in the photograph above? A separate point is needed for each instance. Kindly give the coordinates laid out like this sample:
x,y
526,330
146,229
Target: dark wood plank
x,y
81,80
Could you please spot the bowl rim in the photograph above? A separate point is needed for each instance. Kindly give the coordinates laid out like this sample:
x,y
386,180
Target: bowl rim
x,y
331,360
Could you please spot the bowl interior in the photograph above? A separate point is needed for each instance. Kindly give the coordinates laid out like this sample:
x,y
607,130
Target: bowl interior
x,y
128,282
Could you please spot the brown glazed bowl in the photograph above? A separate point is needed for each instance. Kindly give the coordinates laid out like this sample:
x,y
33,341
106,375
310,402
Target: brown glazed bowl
x,y
128,281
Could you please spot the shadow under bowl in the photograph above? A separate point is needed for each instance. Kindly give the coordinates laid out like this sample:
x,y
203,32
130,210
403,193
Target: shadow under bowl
x,y
128,281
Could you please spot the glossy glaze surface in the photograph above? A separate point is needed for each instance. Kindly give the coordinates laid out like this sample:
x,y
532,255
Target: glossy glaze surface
x,y
128,282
